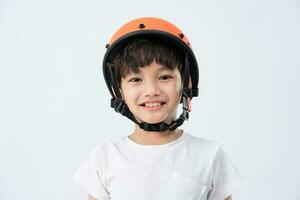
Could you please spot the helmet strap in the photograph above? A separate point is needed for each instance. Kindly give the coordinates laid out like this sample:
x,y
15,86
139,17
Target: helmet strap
x,y
121,107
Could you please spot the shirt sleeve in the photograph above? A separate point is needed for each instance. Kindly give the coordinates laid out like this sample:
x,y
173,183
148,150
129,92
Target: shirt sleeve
x,y
225,177
90,177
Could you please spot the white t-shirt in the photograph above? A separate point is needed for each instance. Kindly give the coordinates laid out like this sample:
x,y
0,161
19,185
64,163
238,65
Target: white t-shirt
x,y
189,168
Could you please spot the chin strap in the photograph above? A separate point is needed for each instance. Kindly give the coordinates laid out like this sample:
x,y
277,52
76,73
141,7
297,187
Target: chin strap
x,y
187,93
121,107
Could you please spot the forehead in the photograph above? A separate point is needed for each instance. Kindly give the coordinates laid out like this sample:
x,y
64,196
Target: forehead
x,y
152,68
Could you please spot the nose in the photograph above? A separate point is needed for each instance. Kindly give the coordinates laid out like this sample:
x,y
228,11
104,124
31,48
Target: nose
x,y
152,89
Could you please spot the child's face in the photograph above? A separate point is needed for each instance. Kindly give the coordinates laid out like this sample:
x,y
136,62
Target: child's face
x,y
153,94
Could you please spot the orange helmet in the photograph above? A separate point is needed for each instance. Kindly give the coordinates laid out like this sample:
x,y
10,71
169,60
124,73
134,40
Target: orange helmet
x,y
150,27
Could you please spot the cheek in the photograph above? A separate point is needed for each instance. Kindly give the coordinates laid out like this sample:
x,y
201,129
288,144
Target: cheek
x,y
124,92
128,94
174,91
178,92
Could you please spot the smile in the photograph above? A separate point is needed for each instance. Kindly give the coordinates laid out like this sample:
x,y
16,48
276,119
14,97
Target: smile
x,y
153,105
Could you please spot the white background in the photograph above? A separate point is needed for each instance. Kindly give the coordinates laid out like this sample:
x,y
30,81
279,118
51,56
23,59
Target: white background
x,y
54,105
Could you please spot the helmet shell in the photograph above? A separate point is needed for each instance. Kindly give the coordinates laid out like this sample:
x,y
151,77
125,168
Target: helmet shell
x,y
150,27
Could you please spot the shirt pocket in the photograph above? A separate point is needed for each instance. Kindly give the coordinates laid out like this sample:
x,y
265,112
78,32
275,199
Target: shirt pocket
x,y
180,187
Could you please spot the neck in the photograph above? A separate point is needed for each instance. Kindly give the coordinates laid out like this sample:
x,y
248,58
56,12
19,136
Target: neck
x,y
154,137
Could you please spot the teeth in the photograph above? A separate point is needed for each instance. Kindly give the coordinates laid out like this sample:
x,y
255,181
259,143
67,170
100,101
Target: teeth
x,y
152,104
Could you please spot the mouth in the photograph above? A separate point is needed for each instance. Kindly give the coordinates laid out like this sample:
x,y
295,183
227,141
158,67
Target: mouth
x,y
153,105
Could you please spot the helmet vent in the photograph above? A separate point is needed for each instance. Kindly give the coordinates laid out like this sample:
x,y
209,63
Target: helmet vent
x,y
141,26
181,35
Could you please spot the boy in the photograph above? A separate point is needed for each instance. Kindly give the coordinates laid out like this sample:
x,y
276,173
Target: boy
x,y
150,68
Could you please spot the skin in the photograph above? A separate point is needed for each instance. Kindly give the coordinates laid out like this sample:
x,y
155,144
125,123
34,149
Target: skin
x,y
153,83
228,198
92,198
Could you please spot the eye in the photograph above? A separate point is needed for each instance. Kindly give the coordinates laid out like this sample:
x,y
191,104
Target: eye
x,y
165,77
135,79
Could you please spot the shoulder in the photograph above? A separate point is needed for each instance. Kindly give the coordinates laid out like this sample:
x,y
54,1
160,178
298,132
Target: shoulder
x,y
96,151
109,147
98,147
203,151
203,144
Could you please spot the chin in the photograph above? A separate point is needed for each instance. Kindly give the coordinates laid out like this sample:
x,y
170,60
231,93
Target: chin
x,y
154,120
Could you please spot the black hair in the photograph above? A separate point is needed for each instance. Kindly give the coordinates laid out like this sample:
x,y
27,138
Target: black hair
x,y
142,52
